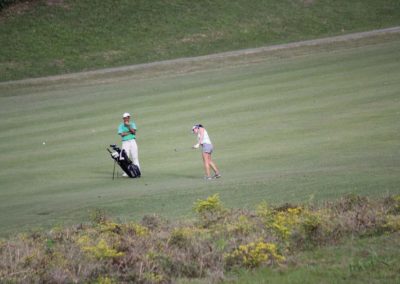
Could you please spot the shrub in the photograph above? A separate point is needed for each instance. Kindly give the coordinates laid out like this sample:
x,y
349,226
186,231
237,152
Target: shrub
x,y
152,222
285,221
180,237
281,221
315,229
157,251
153,277
264,211
109,227
210,205
253,255
209,210
393,203
351,202
101,250
137,229
392,223
242,225
98,216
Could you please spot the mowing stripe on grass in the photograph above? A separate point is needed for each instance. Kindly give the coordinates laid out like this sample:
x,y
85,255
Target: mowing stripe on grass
x,y
315,124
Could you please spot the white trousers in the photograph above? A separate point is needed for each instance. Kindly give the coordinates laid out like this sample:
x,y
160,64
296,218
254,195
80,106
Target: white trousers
x,y
131,150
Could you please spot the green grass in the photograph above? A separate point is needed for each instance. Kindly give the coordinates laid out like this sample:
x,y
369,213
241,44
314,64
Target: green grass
x,y
314,124
39,39
370,260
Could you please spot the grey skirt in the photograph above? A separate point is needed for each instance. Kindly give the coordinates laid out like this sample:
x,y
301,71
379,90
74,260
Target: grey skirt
x,y
208,148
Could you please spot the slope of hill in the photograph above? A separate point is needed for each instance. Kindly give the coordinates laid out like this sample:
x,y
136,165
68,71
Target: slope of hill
x,y
46,37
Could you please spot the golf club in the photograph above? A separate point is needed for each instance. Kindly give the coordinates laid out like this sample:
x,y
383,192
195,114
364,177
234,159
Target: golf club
x,y
183,149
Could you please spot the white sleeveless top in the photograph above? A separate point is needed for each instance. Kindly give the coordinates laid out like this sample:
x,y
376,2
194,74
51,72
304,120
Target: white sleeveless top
x,y
206,138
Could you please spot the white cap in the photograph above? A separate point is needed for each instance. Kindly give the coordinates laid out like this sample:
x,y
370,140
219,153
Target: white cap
x,y
126,114
197,126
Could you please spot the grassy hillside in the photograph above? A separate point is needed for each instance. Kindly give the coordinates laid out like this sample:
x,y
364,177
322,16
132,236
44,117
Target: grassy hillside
x,y
312,123
45,37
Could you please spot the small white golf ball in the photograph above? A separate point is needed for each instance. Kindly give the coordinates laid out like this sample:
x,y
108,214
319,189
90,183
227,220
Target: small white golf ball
x,y
44,143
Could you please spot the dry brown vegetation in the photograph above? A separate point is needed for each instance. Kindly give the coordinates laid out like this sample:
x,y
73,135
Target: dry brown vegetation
x,y
220,239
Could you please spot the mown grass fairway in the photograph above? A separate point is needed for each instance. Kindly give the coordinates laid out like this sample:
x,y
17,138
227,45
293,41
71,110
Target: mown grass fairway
x,y
287,127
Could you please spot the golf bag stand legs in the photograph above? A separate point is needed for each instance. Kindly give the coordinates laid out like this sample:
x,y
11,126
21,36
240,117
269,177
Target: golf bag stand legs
x,y
114,169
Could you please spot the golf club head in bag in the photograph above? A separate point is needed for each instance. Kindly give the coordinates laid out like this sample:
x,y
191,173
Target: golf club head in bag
x,y
122,159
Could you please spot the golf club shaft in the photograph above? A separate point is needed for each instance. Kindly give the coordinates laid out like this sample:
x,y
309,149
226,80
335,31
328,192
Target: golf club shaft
x,y
183,149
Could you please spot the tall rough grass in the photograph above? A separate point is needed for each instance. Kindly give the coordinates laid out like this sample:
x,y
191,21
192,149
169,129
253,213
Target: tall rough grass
x,y
220,239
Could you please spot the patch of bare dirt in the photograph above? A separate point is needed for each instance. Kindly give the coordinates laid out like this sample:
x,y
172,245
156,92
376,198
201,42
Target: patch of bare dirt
x,y
194,38
199,37
23,6
55,2
59,3
308,2
18,8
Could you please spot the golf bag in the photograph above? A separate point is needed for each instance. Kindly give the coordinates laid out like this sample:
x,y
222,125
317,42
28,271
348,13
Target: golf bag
x,y
121,158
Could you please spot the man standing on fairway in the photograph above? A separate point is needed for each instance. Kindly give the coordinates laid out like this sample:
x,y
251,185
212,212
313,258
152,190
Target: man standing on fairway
x,y
207,148
127,130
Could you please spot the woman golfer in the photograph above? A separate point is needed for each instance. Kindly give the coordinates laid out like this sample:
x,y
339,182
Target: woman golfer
x,y
204,141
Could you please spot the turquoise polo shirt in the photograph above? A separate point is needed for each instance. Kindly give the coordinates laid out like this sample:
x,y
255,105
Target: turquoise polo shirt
x,y
123,128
